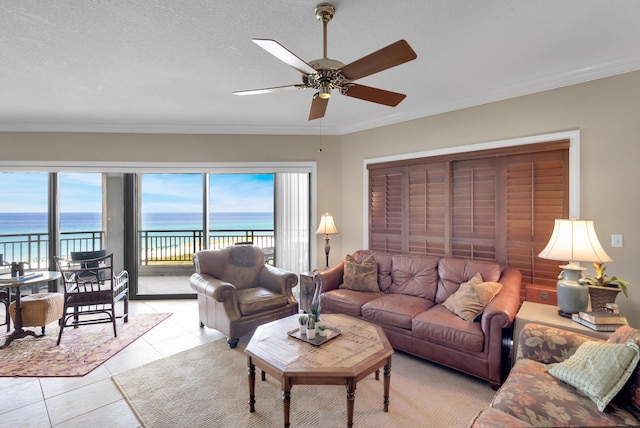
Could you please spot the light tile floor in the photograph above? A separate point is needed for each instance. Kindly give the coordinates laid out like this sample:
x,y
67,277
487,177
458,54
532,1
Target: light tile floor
x,y
94,400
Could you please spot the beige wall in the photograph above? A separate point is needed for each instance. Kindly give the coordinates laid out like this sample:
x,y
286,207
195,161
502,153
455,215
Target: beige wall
x,y
605,111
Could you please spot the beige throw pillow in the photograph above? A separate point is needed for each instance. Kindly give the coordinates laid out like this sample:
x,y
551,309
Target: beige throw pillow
x,y
598,369
360,276
472,297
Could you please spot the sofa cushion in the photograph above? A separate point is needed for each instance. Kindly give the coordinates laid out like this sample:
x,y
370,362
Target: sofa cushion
x,y
348,302
599,369
452,272
395,309
440,325
630,394
259,299
472,297
490,417
415,275
360,276
532,395
384,266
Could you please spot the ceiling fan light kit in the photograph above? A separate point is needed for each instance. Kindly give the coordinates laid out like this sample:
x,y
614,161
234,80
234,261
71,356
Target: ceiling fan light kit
x,y
326,74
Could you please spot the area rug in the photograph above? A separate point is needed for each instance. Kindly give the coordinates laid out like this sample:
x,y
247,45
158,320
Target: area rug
x,y
81,349
207,387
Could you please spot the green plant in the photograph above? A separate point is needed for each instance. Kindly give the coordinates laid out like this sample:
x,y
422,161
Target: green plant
x,y
311,323
315,310
322,327
601,280
302,319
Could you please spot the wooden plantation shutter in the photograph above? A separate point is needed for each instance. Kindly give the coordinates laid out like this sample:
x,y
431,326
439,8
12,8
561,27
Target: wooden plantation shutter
x,y
473,217
386,209
495,205
428,208
536,194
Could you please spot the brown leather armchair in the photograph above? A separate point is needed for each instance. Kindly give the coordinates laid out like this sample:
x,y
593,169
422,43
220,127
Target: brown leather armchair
x,y
237,291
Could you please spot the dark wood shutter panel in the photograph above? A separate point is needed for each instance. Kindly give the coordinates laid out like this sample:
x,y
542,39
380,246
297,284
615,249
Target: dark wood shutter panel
x,y
536,194
386,210
428,208
473,215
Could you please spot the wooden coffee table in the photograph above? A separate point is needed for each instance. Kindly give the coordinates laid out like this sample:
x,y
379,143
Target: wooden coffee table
x,y
361,349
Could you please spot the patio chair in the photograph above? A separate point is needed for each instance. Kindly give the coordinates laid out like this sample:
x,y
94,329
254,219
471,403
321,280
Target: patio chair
x,y
5,299
91,292
89,255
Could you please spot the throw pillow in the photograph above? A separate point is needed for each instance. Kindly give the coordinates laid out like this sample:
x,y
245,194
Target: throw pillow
x,y
472,297
360,276
598,369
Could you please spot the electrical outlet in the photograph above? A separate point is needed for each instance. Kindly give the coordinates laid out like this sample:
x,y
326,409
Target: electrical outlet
x,y
616,241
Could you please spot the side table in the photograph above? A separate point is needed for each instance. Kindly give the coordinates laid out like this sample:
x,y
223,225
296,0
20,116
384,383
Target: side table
x,y
548,315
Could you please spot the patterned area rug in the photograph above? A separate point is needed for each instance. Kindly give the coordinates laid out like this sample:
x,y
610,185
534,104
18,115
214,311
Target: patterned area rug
x,y
81,350
207,387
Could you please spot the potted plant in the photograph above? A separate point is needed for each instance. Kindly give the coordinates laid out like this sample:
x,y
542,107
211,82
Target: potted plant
x,y
603,289
311,328
322,330
302,320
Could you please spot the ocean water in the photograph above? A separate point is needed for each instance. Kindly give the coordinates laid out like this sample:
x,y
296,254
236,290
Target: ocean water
x,y
21,223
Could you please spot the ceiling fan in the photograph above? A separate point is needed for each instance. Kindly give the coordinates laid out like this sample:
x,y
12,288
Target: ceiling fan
x,y
326,74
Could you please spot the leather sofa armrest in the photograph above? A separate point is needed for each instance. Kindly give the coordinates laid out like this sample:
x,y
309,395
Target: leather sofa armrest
x,y
279,280
547,344
502,310
331,278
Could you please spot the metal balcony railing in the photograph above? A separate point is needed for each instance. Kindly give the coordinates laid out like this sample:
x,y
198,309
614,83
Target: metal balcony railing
x,y
156,246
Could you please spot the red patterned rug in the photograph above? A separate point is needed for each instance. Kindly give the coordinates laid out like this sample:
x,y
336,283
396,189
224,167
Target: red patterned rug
x,y
81,350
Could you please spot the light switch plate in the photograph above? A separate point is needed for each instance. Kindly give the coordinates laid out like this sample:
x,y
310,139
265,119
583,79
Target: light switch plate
x,y
616,241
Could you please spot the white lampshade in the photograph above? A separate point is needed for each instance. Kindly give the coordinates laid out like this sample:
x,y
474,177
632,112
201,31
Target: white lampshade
x,y
574,240
327,226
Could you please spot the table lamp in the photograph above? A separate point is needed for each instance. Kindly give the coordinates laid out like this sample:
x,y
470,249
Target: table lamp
x,y
327,227
573,240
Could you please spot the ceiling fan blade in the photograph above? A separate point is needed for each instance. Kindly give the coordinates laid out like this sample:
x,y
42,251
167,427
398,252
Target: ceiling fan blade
x,y
318,107
375,95
395,54
284,55
269,90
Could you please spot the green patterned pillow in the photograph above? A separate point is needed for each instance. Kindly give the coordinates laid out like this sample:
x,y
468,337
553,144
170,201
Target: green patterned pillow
x,y
598,369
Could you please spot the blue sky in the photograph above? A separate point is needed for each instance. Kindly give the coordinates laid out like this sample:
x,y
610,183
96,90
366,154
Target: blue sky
x,y
80,192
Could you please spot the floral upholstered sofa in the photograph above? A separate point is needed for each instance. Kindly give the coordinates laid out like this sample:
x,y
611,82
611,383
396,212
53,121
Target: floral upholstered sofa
x,y
532,396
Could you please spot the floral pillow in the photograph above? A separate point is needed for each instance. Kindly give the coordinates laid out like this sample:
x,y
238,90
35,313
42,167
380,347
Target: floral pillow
x,y
472,297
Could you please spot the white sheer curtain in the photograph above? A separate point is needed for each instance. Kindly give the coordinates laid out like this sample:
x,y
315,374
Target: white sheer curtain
x,y
292,222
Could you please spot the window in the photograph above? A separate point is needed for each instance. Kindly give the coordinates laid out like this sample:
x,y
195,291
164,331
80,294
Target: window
x,y
491,205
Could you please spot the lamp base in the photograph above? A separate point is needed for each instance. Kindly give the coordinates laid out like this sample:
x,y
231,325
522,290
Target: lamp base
x,y
564,314
573,296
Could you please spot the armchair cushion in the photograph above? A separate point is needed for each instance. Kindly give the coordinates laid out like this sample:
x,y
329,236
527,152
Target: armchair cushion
x,y
259,299
598,369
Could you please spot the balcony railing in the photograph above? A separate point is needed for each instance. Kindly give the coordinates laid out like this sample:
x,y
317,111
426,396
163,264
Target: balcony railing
x,y
156,246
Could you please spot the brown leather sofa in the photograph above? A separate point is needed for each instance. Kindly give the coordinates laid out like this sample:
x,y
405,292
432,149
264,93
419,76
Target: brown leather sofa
x,y
237,291
409,308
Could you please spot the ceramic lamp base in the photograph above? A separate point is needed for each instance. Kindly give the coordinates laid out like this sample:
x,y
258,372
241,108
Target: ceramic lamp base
x,y
573,297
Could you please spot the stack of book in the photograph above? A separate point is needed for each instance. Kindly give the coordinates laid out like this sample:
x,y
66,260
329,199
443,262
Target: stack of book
x,y
600,320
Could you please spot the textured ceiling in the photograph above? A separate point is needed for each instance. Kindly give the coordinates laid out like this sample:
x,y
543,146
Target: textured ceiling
x,y
171,66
